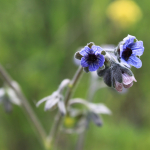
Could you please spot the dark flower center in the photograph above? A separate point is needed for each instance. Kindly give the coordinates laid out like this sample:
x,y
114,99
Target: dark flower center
x,y
126,53
92,58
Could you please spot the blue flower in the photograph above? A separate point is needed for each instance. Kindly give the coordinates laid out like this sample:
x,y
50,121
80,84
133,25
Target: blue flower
x,y
91,57
130,50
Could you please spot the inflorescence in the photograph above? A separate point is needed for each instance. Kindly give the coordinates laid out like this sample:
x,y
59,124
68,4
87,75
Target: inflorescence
x,y
113,65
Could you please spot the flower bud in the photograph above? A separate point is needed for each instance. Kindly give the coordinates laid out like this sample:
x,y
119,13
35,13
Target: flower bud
x,y
117,76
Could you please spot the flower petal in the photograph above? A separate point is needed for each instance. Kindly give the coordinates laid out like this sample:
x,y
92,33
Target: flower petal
x,y
61,107
96,48
138,52
128,86
85,51
101,59
135,61
43,100
98,108
137,48
127,79
93,66
63,85
118,86
128,40
136,45
13,97
134,79
125,63
50,103
84,62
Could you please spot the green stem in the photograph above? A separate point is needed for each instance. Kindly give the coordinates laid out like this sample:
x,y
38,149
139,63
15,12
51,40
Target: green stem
x,y
26,106
58,119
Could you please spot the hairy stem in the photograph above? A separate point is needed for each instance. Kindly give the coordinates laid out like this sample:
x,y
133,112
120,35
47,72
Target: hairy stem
x,y
24,102
109,50
58,119
80,141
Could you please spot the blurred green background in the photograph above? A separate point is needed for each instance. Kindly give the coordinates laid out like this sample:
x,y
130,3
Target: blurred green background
x,y
38,39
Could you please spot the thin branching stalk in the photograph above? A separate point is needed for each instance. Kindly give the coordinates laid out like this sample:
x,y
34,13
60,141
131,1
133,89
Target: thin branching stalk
x,y
26,106
58,119
90,95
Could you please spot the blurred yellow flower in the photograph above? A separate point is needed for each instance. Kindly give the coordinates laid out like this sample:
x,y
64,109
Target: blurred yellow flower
x,y
124,12
68,121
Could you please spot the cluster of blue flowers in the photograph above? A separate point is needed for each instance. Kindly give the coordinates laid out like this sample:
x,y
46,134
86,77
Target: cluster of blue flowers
x,y
113,66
